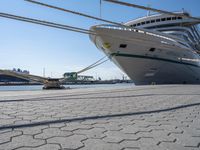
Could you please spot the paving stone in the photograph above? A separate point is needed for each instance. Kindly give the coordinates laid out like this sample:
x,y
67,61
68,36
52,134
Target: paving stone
x,y
5,122
71,126
43,147
57,125
96,133
97,144
111,126
22,141
129,148
32,130
130,144
71,142
134,129
52,132
172,146
6,136
117,137
188,141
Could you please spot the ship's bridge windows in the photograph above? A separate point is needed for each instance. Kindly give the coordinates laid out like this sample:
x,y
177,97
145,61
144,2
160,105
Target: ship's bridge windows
x,y
169,18
157,20
163,19
173,18
133,25
179,18
147,22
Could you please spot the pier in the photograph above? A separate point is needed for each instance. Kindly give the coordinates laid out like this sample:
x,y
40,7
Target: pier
x,y
119,118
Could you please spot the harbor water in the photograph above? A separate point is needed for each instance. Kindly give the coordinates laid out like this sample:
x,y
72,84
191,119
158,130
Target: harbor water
x,y
72,86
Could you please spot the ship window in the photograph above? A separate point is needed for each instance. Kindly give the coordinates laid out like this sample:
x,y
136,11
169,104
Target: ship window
x,y
169,18
138,24
147,22
152,21
173,18
157,20
162,26
134,25
123,45
163,19
179,17
142,23
152,49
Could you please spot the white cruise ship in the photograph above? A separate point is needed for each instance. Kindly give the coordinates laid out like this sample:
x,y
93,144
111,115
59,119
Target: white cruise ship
x,y
156,49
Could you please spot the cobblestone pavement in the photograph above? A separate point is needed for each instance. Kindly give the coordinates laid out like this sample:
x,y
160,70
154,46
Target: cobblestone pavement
x,y
126,118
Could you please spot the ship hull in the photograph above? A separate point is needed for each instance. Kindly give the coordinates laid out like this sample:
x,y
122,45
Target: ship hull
x,y
145,71
147,59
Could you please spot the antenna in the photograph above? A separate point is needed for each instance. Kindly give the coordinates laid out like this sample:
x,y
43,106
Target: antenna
x,y
148,12
100,9
44,72
183,10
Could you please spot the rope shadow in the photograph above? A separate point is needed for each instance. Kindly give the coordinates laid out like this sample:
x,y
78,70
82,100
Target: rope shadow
x,y
82,94
94,97
96,117
72,98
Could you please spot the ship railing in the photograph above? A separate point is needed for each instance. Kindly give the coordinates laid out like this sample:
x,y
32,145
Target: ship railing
x,y
143,31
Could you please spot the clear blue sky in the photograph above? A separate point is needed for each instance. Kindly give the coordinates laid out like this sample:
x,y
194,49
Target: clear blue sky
x,y
34,47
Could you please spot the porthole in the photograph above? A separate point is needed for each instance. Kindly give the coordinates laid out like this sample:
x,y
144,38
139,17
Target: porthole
x,y
123,45
152,49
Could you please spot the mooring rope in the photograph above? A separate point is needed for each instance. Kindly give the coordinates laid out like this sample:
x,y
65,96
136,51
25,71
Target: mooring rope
x,y
73,12
46,23
151,9
97,63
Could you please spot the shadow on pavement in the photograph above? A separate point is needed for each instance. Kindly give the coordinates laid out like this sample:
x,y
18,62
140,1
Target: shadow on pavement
x,y
97,117
73,97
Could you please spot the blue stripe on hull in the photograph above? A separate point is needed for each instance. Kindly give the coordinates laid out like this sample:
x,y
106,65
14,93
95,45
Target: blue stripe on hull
x,y
154,58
